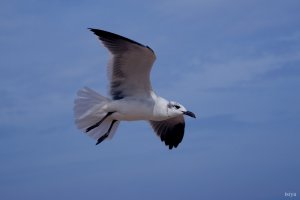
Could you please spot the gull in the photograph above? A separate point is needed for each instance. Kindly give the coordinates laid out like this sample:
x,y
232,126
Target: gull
x,y
131,95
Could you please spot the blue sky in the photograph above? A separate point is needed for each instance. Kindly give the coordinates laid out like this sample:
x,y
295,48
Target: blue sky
x,y
234,63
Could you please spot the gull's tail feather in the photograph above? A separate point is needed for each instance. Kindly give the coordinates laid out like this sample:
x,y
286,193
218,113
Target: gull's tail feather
x,y
89,109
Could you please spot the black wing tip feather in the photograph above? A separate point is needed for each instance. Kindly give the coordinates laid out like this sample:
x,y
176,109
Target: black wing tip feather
x,y
174,136
112,36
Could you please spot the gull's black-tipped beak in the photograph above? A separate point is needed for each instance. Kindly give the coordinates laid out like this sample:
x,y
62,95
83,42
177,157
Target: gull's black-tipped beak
x,y
189,113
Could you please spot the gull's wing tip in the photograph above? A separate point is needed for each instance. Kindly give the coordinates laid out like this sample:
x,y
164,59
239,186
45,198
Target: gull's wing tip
x,y
91,29
170,131
100,32
106,34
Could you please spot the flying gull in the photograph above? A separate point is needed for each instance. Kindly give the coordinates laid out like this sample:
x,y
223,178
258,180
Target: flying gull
x,y
132,97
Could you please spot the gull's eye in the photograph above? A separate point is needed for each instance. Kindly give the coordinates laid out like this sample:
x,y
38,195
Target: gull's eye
x,y
176,106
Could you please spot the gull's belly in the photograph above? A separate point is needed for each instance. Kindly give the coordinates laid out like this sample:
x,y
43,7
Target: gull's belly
x,y
131,110
135,116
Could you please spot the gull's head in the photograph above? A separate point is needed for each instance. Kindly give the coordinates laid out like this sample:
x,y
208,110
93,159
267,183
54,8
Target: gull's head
x,y
175,109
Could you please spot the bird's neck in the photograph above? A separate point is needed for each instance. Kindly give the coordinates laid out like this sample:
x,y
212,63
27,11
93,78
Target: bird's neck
x,y
160,108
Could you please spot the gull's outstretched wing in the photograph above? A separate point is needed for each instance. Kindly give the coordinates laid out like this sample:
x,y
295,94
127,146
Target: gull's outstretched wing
x,y
170,131
130,65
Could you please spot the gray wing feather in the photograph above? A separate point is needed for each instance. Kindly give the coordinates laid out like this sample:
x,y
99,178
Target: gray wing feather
x,y
170,131
130,65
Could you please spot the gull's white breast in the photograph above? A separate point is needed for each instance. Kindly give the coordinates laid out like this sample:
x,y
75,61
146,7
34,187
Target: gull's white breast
x,y
139,108
131,109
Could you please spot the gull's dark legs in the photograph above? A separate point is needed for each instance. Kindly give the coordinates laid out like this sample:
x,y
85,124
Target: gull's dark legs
x,y
98,123
107,133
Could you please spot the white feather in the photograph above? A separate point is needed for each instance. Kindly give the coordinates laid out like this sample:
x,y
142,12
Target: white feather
x,y
89,109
